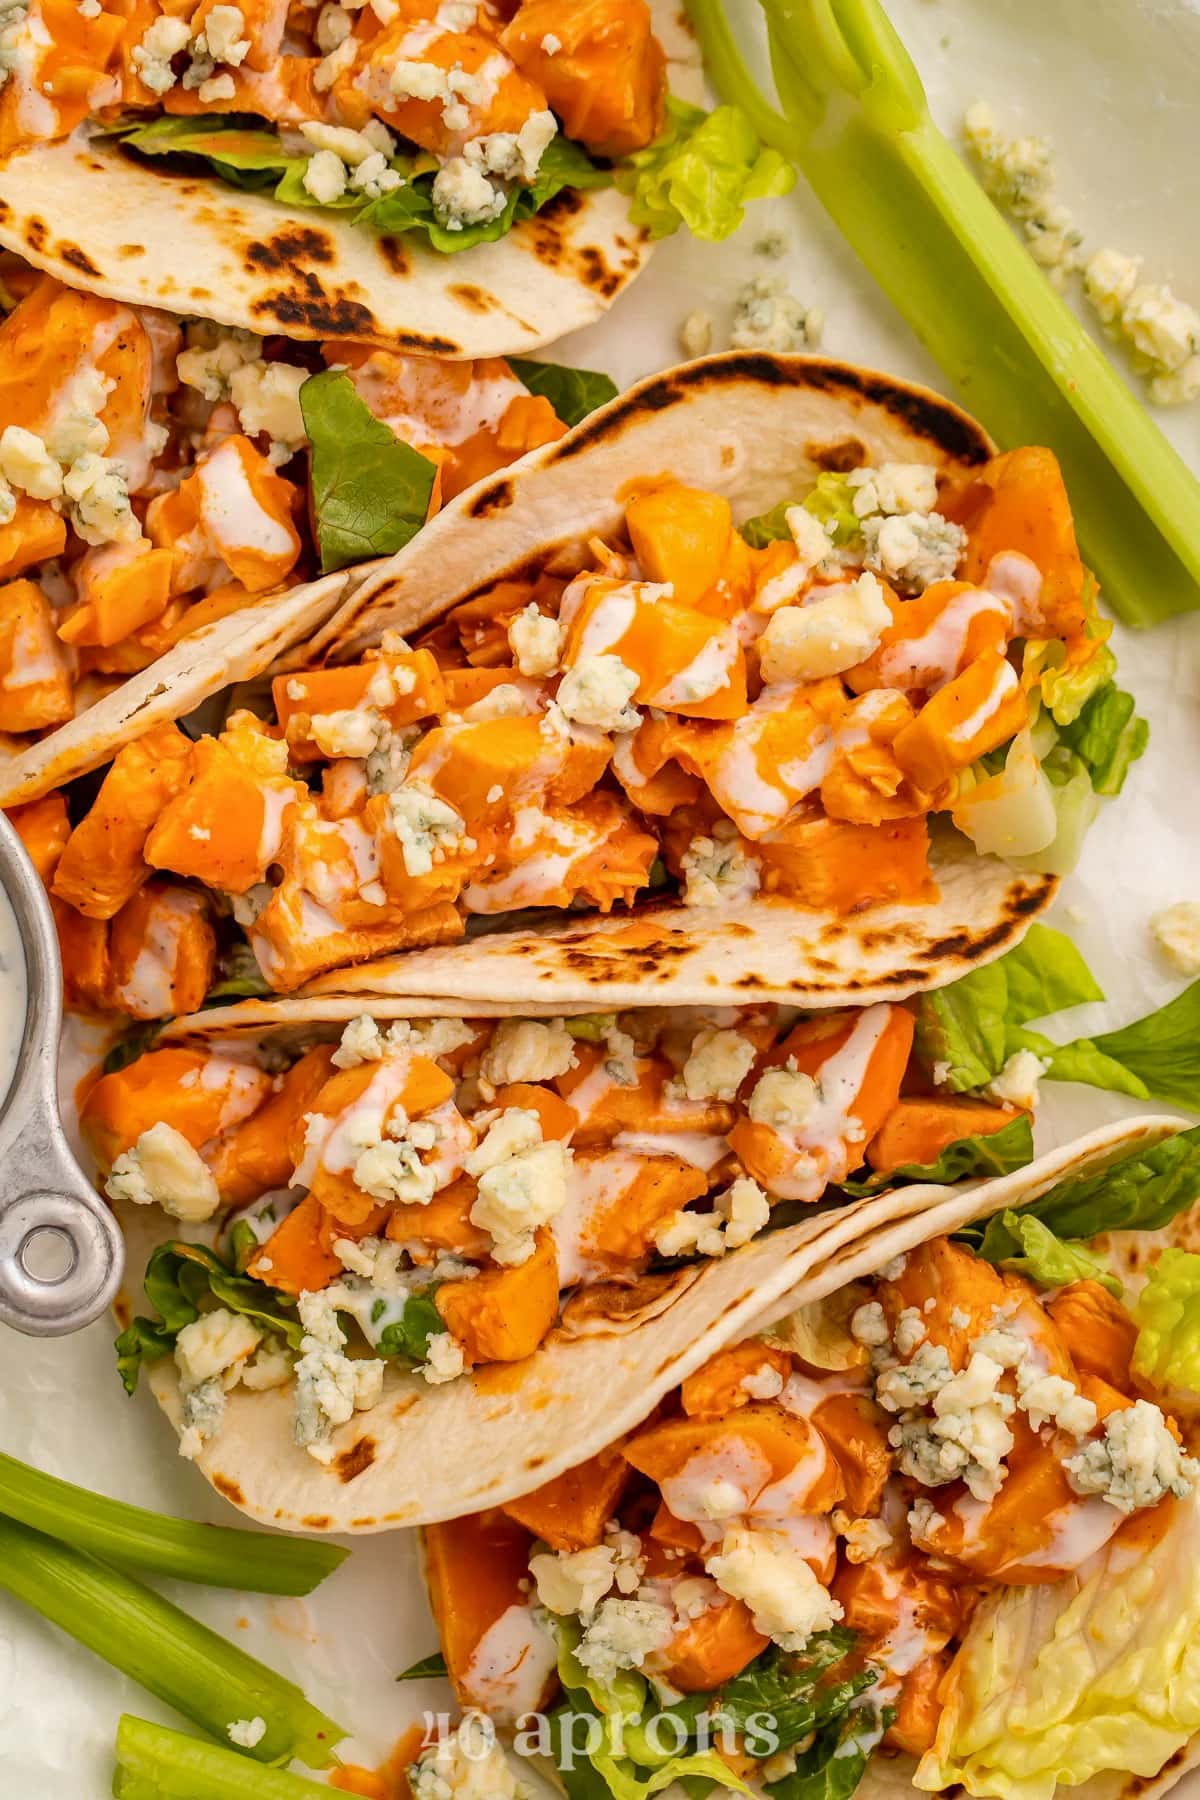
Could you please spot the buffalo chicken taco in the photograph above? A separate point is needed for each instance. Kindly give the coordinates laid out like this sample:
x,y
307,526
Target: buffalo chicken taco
x,y
783,753
360,1231
443,177
170,493
936,1530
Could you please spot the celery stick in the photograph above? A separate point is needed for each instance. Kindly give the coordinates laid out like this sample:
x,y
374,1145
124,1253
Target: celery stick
x,y
214,1555
174,1657
861,133
156,1764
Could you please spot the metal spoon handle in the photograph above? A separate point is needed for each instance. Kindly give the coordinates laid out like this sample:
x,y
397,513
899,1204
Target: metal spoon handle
x,y
61,1253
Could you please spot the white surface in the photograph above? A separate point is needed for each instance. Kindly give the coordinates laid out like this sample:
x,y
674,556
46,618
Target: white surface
x,y
1113,81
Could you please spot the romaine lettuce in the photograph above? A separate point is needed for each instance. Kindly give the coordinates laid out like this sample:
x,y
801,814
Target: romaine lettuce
x,y
1167,1353
370,490
1057,1683
1139,1192
836,1761
1022,1242
701,173
178,1278
996,1153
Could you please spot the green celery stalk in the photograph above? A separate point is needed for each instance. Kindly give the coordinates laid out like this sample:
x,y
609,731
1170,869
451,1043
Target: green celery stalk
x,y
858,125
174,1657
156,1764
130,1536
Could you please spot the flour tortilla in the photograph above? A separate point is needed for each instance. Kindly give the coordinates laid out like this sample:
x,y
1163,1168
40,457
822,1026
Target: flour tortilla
x,y
235,648
92,214
756,428
429,1453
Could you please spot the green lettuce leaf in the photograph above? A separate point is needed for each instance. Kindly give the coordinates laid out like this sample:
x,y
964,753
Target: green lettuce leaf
x,y
409,1335
996,1153
834,1764
425,1670
802,1691
1167,1353
130,1045
701,173
370,490
1155,1058
251,157
1139,1192
573,393
969,1026
1108,736
179,1277
767,528
410,208
1021,1242
1076,804
1060,1682
1065,690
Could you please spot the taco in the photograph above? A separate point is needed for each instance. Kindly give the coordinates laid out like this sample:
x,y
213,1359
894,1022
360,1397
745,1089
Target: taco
x,y
935,1529
170,493
419,1222
732,741
443,177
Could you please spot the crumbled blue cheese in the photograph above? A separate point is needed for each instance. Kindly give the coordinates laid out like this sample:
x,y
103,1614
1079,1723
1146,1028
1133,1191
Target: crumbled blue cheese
x,y
716,869
267,398
517,1195
514,155
1136,1462
26,464
864,1538
427,828
718,1062
468,1764
696,333
1018,173
245,1733
160,43
869,1326
622,1634
463,195
783,1099
445,1359
528,1050
1017,1082
573,1583
364,159
892,488
325,177
597,692
912,550
737,1215
202,1413
333,27
1177,931
1053,1400
536,642
212,357
829,635
214,1343
162,1169
1161,331
768,317
330,1386
762,1569
222,38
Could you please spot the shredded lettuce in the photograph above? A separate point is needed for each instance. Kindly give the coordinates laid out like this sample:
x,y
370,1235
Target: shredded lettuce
x,y
370,490
1155,1058
1140,1192
1022,1242
179,1277
254,158
1167,1353
831,501
855,119
702,172
1108,737
409,1335
836,1761
801,1691
995,1153
1060,1682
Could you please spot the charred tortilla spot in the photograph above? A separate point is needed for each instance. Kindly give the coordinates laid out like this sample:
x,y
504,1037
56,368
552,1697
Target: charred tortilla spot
x,y
229,1488
36,233
496,497
394,255
316,1521
307,307
472,297
200,293
840,458
294,244
355,1461
5,212
535,1462
594,272
362,1524
565,204
127,251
